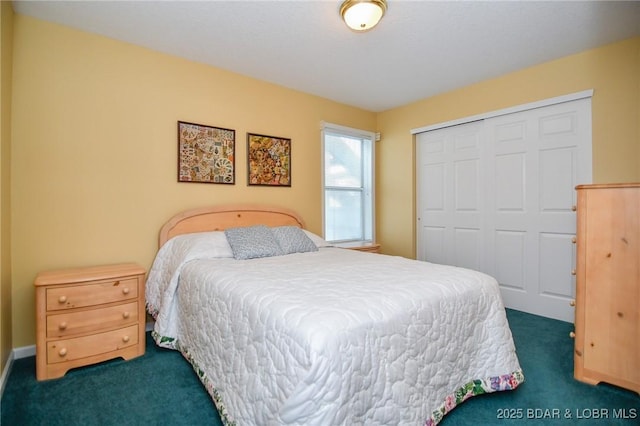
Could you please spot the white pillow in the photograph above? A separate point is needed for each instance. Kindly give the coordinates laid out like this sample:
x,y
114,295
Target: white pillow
x,y
214,244
317,240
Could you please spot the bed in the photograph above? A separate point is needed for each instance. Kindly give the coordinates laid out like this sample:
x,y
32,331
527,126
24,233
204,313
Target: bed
x,y
321,335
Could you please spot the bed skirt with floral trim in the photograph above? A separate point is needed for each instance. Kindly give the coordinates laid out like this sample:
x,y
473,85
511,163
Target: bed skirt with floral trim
x,y
475,387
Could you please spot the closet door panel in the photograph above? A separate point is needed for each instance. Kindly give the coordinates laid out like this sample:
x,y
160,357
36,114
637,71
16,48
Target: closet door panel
x,y
450,223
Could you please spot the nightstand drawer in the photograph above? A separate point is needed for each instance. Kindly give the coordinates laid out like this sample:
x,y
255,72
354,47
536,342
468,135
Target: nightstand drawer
x,y
91,294
66,324
83,347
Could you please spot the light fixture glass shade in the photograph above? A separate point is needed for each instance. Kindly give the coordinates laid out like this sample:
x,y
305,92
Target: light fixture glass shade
x,y
362,15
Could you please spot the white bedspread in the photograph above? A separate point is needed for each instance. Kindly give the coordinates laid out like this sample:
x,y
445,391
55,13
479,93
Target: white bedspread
x,y
333,337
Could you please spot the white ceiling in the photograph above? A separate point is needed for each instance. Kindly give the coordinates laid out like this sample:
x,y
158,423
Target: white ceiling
x,y
420,48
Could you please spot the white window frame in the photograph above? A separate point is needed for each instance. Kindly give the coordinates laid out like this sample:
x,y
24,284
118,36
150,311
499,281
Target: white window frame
x,y
368,207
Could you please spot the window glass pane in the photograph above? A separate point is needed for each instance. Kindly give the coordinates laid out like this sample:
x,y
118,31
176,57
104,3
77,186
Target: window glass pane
x,y
348,161
343,215
343,161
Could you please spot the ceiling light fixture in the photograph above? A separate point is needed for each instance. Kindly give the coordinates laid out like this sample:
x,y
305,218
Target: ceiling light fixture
x,y
362,15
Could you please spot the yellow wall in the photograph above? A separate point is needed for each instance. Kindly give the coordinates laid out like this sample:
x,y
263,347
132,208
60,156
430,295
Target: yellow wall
x,y
6,61
612,71
93,151
94,161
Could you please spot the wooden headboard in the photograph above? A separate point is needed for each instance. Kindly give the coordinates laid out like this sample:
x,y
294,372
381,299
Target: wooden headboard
x,y
219,218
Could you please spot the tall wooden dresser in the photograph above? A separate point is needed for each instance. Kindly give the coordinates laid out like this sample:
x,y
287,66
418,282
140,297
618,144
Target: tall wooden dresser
x,y
607,316
88,315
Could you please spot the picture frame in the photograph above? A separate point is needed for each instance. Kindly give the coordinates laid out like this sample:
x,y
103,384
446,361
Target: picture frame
x,y
206,154
268,160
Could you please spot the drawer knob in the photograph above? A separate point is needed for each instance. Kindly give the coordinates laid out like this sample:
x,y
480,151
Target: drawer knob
x,y
125,290
572,335
126,315
572,303
125,339
62,352
62,299
574,208
573,272
62,325
573,240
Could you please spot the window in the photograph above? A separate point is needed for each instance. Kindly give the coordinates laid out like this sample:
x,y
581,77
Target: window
x,y
348,159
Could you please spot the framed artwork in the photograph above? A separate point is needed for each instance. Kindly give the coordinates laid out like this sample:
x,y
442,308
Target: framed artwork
x,y
269,160
206,154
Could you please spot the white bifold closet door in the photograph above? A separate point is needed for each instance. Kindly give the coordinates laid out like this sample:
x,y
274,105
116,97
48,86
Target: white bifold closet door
x,y
497,195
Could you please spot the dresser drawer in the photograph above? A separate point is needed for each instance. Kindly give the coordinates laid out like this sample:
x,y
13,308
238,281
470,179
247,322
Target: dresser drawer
x,y
91,294
83,347
66,324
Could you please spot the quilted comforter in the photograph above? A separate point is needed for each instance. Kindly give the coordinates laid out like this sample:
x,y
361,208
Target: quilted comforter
x,y
331,337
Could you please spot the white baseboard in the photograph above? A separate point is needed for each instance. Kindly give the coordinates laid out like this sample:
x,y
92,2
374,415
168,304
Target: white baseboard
x,y
16,353
5,373
24,352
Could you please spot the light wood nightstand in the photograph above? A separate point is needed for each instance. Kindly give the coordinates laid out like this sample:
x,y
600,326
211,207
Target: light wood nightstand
x,y
368,247
88,315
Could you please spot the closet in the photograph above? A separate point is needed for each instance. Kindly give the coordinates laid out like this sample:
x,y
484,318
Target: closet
x,y
607,311
495,193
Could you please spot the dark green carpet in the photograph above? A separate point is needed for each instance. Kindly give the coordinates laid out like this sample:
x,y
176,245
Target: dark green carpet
x,y
161,388
545,351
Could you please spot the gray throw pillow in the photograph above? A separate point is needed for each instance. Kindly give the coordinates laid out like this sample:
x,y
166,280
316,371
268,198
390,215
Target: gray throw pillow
x,y
293,240
251,242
